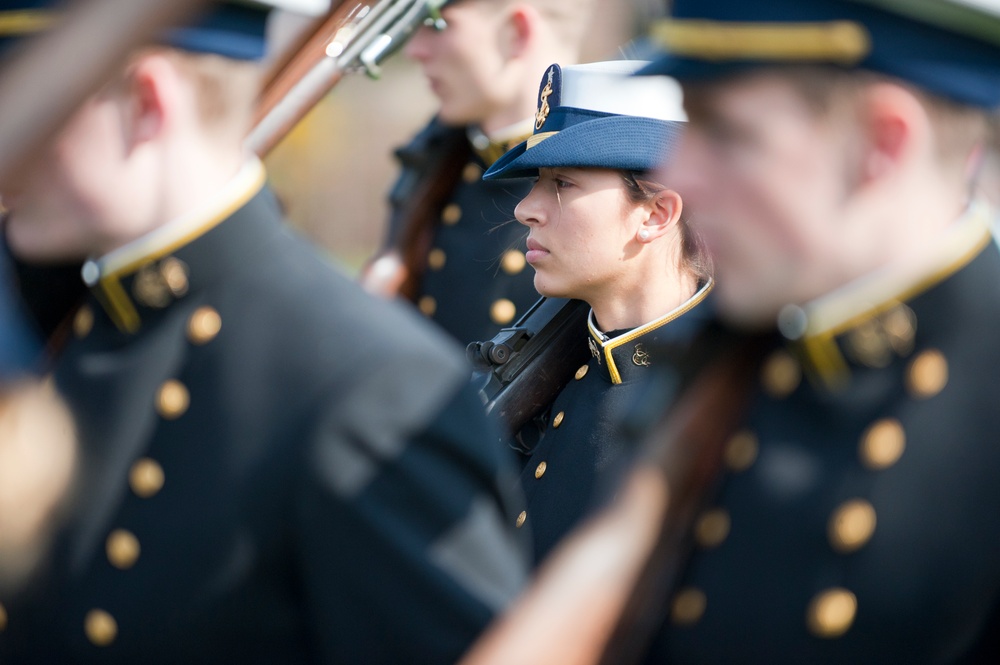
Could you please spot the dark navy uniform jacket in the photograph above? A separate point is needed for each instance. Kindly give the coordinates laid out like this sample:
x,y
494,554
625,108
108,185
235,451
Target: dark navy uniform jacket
x,y
858,518
476,280
277,468
580,450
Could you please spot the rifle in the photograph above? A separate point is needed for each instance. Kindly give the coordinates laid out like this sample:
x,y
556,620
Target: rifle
x,y
604,593
353,36
524,367
425,186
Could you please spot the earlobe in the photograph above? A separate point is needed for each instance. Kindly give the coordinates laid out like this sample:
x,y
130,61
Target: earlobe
x,y
664,213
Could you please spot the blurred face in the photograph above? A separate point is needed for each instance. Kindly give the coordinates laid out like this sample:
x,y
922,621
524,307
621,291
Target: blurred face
x,y
769,181
59,206
581,232
463,62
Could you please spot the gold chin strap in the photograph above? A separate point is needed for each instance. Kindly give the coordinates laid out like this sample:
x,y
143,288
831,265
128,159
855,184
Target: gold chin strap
x,y
839,42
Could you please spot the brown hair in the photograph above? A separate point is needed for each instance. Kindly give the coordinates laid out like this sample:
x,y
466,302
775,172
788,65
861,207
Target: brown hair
x,y
640,189
226,89
958,128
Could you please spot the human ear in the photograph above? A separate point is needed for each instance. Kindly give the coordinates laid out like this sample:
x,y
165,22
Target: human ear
x,y
519,29
148,93
894,123
664,212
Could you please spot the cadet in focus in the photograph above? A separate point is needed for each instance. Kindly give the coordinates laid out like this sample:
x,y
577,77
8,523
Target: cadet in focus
x,y
604,230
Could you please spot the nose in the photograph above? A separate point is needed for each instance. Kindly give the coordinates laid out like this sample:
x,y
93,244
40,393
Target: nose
x,y
528,211
418,47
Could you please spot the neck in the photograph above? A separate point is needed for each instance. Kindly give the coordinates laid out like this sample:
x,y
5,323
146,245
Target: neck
x,y
643,302
199,171
898,226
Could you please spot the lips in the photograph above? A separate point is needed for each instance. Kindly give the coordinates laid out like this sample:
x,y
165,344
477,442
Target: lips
x,y
536,251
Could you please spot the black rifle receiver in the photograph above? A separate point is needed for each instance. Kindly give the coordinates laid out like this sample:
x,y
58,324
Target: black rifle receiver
x,y
523,368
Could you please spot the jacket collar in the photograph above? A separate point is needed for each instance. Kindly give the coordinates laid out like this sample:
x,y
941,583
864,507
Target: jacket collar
x,y
147,265
624,356
491,148
875,305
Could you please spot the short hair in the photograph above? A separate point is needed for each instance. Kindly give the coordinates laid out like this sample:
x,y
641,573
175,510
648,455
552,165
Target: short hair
x,y
226,89
958,128
569,20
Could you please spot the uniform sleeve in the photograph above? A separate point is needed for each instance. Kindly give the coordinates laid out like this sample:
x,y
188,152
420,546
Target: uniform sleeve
x,y
405,540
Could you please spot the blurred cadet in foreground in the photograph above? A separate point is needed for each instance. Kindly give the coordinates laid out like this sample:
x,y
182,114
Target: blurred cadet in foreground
x,y
602,229
826,489
275,466
453,246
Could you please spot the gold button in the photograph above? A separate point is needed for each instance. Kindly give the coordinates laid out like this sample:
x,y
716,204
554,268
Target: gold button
x,y
101,627
741,451
831,613
204,325
582,372
83,322
540,469
427,305
502,311
172,400
146,478
882,444
472,172
436,259
150,289
558,420
688,606
122,548
451,214
520,519
851,526
712,528
780,375
3,618
175,276
928,374
513,261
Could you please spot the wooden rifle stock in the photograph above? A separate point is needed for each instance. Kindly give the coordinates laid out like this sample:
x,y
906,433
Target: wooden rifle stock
x,y
400,268
524,367
356,35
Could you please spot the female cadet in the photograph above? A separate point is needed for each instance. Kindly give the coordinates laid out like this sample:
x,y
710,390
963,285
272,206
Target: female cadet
x,y
602,229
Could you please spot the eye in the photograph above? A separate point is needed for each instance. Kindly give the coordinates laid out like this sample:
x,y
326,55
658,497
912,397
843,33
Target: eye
x,y
561,184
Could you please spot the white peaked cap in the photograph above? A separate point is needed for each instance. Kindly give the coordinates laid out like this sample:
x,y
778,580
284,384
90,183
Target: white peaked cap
x,y
609,87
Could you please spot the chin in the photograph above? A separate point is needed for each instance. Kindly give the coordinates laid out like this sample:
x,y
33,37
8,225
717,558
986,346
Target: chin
x,y
547,290
36,247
